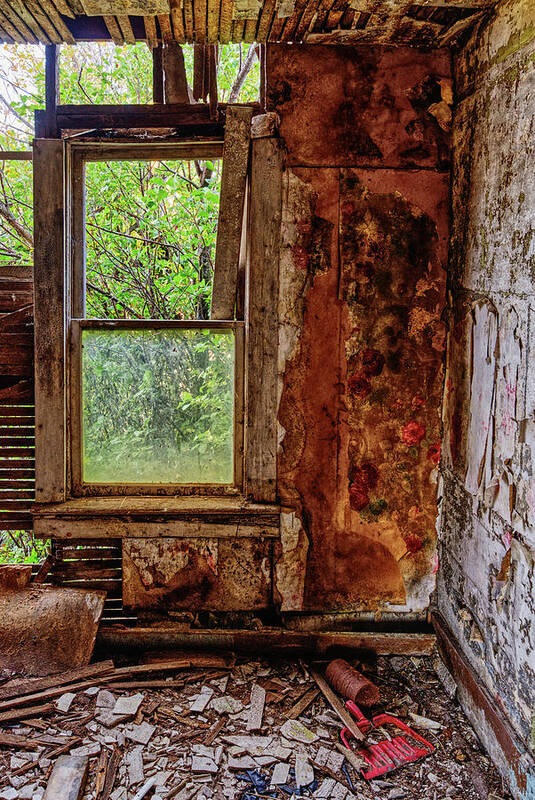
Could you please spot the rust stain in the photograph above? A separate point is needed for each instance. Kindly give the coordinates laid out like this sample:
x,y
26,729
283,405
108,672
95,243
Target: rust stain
x,y
360,105
197,574
361,392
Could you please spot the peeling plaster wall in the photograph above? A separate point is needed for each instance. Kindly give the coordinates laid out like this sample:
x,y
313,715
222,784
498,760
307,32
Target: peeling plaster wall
x,y
486,586
361,338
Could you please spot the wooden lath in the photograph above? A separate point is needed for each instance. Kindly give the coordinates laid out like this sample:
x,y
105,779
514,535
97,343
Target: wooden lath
x,y
91,564
402,22
17,412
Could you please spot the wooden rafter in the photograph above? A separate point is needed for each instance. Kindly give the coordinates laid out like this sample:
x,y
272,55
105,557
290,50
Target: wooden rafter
x,y
401,22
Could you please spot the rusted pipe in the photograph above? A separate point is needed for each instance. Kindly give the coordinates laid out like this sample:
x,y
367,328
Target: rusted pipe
x,y
351,684
266,640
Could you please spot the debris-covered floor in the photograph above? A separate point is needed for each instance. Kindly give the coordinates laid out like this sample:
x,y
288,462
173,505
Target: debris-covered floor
x,y
232,732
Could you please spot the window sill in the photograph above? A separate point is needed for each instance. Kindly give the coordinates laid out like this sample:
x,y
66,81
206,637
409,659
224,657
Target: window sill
x,y
126,517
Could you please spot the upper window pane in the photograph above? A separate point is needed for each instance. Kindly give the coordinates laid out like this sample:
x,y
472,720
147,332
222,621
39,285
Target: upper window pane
x,y
150,231
158,406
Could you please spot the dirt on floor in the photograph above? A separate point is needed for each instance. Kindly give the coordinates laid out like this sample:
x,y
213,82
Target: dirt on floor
x,y
233,734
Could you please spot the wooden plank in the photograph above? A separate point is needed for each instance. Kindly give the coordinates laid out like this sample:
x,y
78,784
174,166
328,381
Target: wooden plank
x,y
165,27
68,778
24,713
174,70
188,19
114,30
16,411
49,320
337,705
8,26
112,527
14,505
126,28
50,11
266,17
137,116
199,15
22,687
151,34
19,742
229,227
177,18
267,640
225,21
15,155
44,569
22,318
18,20
24,13
262,339
16,464
51,88
157,75
44,22
156,151
212,25
302,704
88,571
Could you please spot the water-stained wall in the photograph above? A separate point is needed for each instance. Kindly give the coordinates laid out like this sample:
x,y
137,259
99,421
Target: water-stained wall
x,y
361,343
487,524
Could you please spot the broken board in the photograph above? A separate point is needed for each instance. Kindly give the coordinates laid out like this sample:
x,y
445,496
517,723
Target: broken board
x,y
44,630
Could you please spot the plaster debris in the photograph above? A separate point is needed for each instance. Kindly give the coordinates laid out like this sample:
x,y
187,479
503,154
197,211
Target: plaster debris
x,y
256,711
280,774
105,699
201,700
140,733
129,704
293,729
175,753
63,703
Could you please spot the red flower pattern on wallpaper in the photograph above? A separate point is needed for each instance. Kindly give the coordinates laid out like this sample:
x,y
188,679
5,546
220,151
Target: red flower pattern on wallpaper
x,y
412,433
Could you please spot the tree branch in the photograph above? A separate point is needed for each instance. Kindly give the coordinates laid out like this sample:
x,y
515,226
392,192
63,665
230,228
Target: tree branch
x,y
13,222
16,113
242,74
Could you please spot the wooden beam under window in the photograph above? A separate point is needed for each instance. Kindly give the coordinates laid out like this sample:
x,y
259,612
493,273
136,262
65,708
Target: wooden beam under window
x,y
229,226
49,320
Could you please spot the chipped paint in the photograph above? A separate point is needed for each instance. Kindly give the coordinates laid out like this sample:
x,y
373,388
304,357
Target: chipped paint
x,y
197,574
486,583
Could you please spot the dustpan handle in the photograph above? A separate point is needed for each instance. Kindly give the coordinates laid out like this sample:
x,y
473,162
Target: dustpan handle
x,y
357,713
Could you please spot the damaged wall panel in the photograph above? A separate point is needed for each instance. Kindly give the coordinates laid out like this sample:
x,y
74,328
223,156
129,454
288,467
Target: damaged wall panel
x,y
360,396
197,574
487,523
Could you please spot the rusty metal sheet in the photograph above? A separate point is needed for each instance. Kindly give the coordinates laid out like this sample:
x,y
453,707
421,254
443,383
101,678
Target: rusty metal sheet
x,y
361,388
197,574
361,106
44,630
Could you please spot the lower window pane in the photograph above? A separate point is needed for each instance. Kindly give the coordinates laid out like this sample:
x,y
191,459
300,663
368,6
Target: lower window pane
x,y
158,406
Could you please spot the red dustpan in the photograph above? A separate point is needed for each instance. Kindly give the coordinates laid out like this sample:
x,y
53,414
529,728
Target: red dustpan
x,y
389,754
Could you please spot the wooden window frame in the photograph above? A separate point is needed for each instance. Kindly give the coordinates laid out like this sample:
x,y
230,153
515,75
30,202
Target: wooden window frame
x,y
77,155
58,186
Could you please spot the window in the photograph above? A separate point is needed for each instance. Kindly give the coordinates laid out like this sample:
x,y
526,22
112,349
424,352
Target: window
x,y
156,387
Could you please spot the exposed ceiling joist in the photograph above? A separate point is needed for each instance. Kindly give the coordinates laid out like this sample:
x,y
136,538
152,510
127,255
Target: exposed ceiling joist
x,y
418,23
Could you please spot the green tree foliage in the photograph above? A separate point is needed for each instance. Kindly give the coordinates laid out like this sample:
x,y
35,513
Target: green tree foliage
x,y
164,408
158,406
101,73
